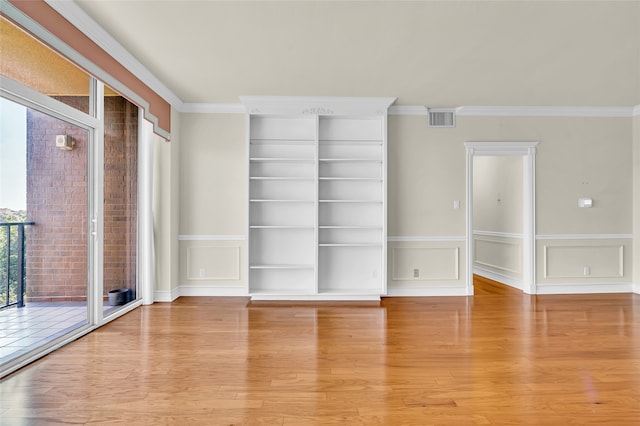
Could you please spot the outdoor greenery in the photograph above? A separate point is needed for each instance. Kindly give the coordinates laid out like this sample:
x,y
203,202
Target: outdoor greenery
x,y
6,233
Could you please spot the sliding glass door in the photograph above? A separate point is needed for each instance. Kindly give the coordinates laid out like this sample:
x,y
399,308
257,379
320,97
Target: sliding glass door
x,y
45,214
68,201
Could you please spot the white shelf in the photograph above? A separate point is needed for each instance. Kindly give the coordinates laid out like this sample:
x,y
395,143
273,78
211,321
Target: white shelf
x,y
350,160
281,266
356,179
350,142
317,198
352,201
281,160
280,201
281,227
303,178
257,141
350,245
349,227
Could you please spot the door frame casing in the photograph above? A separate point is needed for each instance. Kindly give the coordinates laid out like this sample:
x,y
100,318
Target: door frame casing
x,y
526,150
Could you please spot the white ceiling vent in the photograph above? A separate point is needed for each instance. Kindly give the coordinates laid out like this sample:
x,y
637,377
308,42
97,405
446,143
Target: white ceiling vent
x,y
442,117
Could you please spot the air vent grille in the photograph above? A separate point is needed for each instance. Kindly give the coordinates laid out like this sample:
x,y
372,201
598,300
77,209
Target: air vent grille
x,y
442,117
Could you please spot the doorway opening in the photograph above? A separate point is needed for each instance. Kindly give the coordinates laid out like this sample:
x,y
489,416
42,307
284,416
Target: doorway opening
x,y
523,154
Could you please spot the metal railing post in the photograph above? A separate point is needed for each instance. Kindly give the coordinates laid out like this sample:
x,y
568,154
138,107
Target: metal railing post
x,y
20,266
8,283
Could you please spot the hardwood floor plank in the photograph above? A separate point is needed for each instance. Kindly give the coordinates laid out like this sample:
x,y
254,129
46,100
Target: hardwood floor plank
x,y
499,357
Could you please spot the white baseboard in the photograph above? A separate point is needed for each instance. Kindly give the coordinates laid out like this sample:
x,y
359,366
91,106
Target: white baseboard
x,y
426,291
166,296
504,279
328,297
582,288
636,288
191,290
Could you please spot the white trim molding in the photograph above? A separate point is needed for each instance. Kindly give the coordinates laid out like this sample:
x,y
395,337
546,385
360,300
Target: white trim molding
x,y
427,239
213,108
544,111
582,288
497,234
462,111
426,291
196,237
316,105
213,290
527,150
584,237
166,296
408,110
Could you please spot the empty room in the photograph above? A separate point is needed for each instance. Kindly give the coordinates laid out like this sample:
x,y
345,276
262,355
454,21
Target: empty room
x,y
319,212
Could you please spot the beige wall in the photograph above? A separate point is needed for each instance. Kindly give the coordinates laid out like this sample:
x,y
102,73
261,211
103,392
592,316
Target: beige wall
x,y
430,53
213,178
497,194
213,196
576,157
498,218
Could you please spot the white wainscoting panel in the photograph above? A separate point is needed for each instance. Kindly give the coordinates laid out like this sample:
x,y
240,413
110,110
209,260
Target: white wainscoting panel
x,y
439,262
500,255
429,263
578,261
213,263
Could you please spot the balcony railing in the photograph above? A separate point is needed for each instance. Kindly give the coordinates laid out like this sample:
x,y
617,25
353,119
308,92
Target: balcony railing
x,y
12,263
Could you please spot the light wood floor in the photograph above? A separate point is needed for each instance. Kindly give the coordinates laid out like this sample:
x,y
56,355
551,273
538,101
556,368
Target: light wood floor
x,y
500,357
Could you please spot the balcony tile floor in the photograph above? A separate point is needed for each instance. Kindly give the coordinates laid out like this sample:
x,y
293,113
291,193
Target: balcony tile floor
x,y
24,329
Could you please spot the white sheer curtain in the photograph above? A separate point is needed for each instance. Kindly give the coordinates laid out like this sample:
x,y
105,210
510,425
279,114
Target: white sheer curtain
x,y
146,253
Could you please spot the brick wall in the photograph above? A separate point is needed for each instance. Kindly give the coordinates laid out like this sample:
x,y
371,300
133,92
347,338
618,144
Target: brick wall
x,y
120,193
57,203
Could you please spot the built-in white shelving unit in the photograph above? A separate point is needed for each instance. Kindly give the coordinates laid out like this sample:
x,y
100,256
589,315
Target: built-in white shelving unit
x,y
317,197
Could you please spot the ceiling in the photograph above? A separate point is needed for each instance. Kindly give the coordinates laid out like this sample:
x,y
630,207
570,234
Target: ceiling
x,y
446,53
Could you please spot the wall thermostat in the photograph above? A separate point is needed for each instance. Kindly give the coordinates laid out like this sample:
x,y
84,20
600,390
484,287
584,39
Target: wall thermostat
x,y
585,203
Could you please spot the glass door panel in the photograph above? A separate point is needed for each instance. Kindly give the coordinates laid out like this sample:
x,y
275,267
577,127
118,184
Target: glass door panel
x,y
120,211
45,189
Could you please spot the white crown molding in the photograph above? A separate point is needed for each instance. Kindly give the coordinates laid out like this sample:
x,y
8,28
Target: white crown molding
x,y
543,111
408,110
194,237
463,111
212,108
316,105
584,237
81,20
